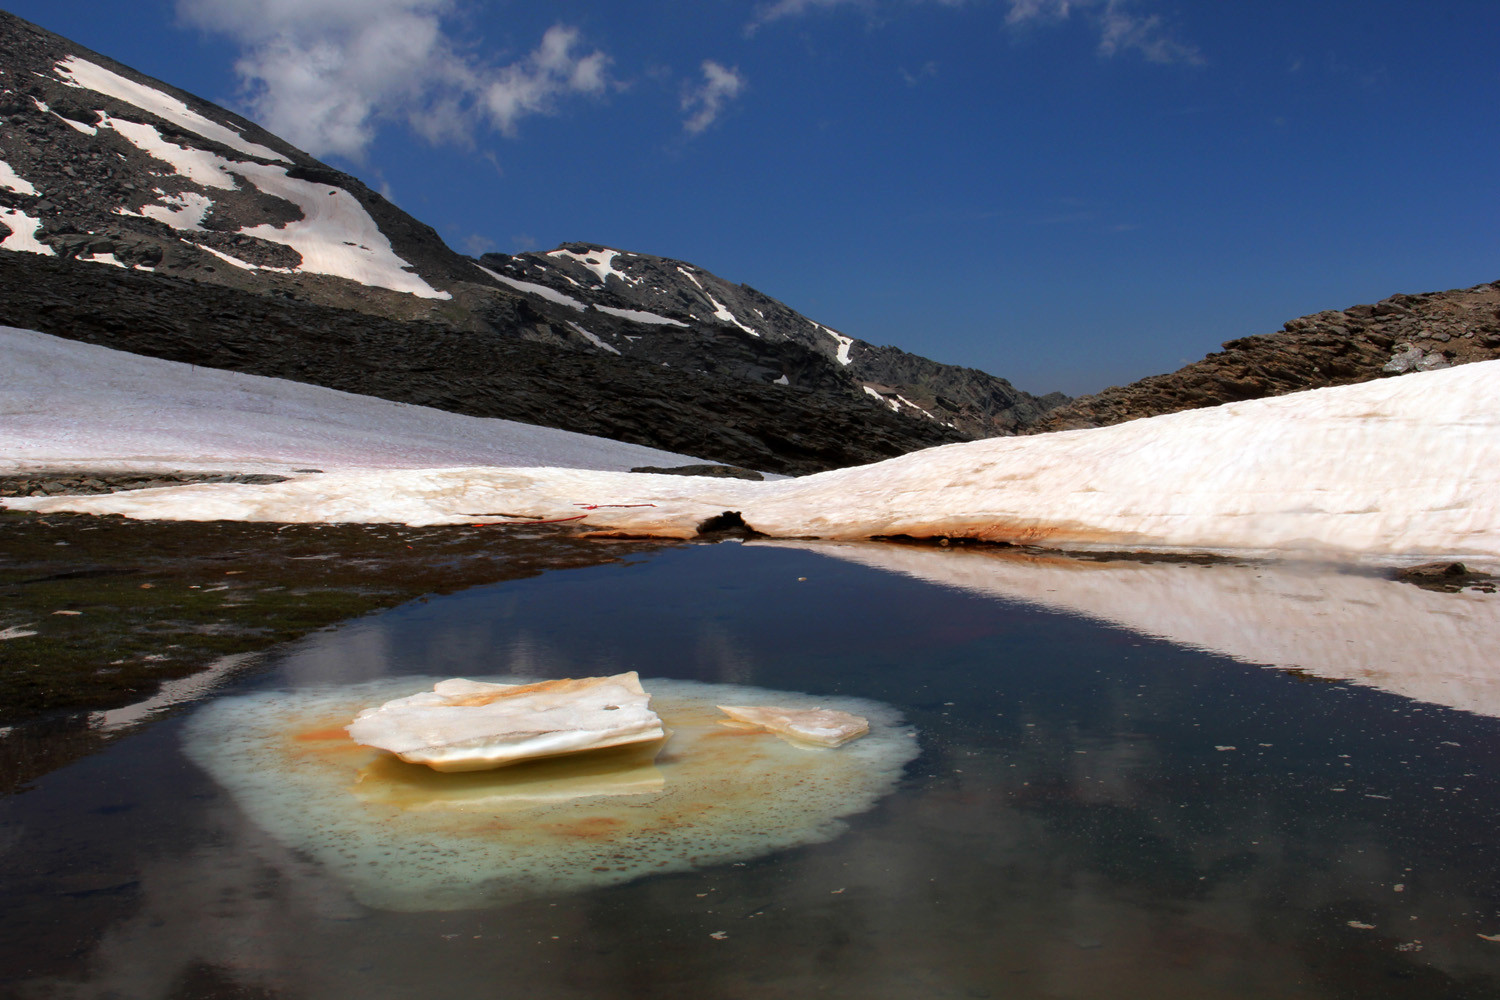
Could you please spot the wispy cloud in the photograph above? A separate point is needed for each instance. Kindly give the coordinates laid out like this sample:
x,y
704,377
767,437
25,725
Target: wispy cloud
x,y
325,73
778,10
1123,30
1121,27
704,102
928,69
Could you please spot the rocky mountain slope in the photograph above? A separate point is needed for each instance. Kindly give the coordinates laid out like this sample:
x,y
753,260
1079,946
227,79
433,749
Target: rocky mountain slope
x,y
115,174
753,336
480,373
1395,336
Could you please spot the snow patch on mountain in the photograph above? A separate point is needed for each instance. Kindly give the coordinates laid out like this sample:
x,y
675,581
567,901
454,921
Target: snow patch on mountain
x,y
601,262
639,316
12,181
722,313
184,211
78,126
197,165
335,235
593,338
23,229
844,343
542,291
81,73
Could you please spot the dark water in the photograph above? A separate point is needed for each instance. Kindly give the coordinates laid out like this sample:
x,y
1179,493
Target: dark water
x,y
1093,813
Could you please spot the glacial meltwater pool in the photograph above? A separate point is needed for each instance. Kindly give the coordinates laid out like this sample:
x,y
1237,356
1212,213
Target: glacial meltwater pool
x,y
1085,779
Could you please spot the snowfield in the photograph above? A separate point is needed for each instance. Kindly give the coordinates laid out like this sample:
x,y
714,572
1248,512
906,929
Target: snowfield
x,y
1401,469
69,405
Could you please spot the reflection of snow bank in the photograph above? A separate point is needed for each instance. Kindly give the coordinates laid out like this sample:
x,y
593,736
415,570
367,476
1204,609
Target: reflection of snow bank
x,y
1433,647
1403,468
74,405
714,795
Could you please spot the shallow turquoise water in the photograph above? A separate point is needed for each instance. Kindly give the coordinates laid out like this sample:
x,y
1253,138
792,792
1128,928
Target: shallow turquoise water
x,y
1093,813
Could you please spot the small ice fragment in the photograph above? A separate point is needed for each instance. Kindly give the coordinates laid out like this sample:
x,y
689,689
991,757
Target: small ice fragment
x,y
1360,926
15,632
1491,937
819,726
1399,887
463,725
1226,748
719,935
67,612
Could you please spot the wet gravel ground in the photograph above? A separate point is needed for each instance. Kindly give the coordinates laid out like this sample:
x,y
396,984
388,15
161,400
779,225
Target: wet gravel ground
x,y
97,612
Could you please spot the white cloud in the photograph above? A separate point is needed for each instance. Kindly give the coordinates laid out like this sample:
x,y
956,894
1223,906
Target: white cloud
x,y
705,102
1121,30
324,74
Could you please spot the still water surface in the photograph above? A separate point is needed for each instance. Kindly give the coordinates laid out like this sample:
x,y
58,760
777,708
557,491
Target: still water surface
x,y
1092,812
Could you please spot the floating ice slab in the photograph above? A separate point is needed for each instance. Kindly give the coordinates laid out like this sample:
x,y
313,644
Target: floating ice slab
x,y
403,837
463,725
819,726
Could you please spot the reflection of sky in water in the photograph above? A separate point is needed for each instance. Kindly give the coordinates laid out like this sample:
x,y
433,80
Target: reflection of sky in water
x,y
1095,813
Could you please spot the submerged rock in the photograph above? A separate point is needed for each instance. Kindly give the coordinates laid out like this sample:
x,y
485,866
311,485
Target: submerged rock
x,y
463,725
819,726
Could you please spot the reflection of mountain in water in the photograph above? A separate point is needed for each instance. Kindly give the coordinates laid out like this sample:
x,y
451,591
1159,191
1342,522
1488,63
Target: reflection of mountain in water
x,y
1433,647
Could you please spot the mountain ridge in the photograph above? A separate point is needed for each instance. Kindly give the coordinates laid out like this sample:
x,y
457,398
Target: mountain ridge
x,y
1399,334
115,170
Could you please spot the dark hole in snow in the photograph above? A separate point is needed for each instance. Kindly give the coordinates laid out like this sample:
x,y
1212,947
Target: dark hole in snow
x,y
729,523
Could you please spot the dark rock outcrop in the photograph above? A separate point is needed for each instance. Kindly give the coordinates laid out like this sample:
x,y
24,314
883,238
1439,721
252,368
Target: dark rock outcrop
x,y
1401,334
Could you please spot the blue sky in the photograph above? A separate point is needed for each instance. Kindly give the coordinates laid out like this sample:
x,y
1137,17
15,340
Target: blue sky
x,y
1067,193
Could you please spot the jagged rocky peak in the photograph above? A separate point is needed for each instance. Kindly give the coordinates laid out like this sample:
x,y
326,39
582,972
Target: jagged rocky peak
x,y
1395,336
687,306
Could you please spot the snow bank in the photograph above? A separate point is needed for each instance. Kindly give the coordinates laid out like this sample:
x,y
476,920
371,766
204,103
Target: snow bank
x,y
1404,468
64,404
1352,626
